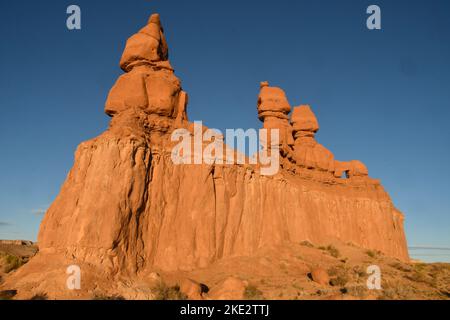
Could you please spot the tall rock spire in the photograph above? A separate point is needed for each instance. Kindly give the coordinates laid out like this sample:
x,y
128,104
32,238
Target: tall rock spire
x,y
149,84
307,152
147,46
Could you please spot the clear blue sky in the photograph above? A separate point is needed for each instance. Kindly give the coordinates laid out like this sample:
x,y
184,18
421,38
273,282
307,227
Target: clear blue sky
x,y
381,96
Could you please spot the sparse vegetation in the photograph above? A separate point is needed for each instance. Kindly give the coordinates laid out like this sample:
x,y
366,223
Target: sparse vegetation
x,y
10,262
420,276
332,250
306,243
40,296
164,292
101,296
359,271
333,271
7,294
401,267
297,286
253,293
372,254
340,281
340,276
395,290
359,291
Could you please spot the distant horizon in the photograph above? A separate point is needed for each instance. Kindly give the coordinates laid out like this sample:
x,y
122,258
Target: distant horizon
x,y
380,96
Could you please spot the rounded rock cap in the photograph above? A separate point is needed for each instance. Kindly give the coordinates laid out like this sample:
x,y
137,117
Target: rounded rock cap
x,y
303,119
272,100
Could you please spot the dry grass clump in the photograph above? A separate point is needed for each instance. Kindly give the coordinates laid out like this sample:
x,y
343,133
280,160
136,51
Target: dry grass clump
x,y
421,276
164,292
7,294
339,276
253,293
101,296
396,291
332,250
10,262
371,253
359,291
306,243
340,281
40,296
401,267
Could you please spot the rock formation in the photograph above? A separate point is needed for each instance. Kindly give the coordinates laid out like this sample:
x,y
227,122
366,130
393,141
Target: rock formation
x,y
127,210
273,111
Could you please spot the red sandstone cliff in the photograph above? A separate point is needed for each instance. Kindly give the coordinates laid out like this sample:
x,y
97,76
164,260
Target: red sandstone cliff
x,y
126,208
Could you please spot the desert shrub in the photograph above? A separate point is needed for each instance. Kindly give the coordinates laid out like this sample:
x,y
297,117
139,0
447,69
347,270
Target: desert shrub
x,y
392,291
445,294
334,271
7,294
420,267
339,281
401,267
332,250
253,293
359,271
11,263
440,271
357,291
164,292
306,243
418,276
371,253
40,296
440,267
101,296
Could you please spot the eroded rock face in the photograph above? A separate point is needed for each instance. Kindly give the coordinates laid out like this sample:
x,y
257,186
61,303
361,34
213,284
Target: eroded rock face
x,y
273,110
127,209
307,152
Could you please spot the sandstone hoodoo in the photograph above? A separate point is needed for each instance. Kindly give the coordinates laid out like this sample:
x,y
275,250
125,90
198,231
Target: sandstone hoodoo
x,y
126,210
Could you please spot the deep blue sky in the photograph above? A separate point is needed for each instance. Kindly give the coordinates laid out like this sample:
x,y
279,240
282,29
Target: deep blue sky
x,y
380,96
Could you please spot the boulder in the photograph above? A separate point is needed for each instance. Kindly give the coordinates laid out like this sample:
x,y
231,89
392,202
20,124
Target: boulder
x,y
320,276
231,288
192,289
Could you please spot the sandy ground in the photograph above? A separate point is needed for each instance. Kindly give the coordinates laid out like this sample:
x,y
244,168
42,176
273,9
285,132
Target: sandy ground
x,y
274,273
